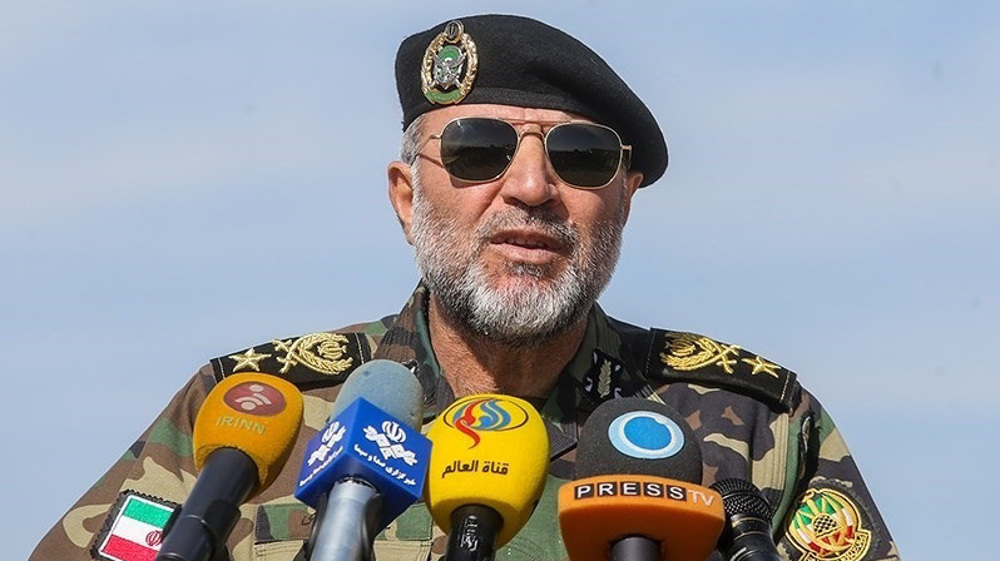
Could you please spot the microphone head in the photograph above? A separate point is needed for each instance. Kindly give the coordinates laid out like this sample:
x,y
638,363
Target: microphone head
x,y
742,498
388,385
635,436
638,468
374,435
258,414
748,521
491,450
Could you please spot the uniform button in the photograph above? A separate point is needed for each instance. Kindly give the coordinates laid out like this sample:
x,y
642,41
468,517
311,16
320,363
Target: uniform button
x,y
440,545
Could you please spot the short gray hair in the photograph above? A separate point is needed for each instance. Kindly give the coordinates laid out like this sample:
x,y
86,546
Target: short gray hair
x,y
410,144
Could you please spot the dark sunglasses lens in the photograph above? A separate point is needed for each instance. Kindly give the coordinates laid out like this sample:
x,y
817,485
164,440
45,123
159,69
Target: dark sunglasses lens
x,y
584,155
477,149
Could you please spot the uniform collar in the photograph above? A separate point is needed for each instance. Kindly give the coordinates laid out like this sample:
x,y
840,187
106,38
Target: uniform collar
x,y
602,368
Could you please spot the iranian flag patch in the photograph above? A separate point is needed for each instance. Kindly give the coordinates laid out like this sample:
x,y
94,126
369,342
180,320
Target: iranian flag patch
x,y
133,530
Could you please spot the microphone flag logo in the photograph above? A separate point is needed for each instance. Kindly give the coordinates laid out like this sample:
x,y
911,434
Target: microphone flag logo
x,y
366,443
390,441
476,414
255,398
646,435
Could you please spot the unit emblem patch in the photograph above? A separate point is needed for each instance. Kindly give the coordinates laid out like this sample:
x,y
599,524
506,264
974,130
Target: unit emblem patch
x,y
827,527
133,530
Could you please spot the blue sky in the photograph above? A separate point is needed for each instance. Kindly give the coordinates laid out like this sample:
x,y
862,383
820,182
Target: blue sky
x,y
182,180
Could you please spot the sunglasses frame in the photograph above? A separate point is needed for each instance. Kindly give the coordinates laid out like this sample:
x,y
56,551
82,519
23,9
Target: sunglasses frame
x,y
624,150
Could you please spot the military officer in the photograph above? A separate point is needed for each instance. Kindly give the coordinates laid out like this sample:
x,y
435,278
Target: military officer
x,y
522,152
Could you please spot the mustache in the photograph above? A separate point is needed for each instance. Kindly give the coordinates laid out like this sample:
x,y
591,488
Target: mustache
x,y
542,219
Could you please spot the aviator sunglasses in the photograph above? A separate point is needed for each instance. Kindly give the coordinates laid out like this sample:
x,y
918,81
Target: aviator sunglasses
x,y
480,149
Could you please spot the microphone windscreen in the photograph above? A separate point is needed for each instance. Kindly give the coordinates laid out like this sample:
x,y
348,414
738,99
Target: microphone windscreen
x,y
490,450
388,385
638,466
257,414
635,436
742,498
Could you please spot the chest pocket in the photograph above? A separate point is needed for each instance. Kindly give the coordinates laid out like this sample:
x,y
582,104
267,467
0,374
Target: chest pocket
x,y
411,537
281,530
540,539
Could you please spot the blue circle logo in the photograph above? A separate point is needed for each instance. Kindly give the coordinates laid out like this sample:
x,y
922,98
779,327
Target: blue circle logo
x,y
646,435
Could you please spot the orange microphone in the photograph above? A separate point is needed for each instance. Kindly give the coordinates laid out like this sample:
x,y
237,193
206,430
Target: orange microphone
x,y
489,460
243,435
634,499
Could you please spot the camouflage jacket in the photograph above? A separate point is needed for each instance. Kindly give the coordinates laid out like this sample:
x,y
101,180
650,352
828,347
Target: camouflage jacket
x,y
752,417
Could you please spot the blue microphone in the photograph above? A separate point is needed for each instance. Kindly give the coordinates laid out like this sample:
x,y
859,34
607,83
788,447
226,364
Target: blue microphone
x,y
367,465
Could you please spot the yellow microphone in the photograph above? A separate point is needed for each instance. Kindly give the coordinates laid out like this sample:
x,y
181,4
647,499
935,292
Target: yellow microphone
x,y
243,435
257,414
489,460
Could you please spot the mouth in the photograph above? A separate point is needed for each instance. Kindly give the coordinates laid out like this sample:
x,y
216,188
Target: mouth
x,y
528,246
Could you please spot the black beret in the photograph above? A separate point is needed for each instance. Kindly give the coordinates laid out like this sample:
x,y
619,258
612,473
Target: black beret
x,y
514,60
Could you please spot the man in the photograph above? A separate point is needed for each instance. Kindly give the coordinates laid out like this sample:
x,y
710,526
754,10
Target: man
x,y
522,151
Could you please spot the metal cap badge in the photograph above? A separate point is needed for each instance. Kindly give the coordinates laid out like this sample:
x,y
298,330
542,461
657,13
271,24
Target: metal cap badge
x,y
449,65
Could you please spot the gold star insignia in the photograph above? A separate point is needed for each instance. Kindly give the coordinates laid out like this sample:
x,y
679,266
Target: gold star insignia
x,y
250,359
761,365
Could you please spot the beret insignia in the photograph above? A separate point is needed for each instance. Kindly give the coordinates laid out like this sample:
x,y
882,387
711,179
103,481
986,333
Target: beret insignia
x,y
449,66
313,360
695,358
829,526
523,62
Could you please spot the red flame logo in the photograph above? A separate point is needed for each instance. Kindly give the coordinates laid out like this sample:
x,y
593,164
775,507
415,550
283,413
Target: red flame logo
x,y
490,414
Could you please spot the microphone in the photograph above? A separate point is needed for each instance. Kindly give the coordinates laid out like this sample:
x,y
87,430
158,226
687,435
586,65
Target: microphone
x,y
487,472
368,464
746,535
243,435
634,499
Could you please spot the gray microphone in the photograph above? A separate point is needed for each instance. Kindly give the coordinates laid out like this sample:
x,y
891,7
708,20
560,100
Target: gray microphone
x,y
357,505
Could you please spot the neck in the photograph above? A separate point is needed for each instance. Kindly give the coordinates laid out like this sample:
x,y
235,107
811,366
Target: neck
x,y
475,364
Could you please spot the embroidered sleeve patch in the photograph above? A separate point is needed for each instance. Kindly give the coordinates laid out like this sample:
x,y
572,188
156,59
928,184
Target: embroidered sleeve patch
x,y
314,360
828,526
133,530
695,358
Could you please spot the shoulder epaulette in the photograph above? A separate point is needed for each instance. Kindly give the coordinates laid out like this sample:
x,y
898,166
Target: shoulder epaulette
x,y
310,361
689,357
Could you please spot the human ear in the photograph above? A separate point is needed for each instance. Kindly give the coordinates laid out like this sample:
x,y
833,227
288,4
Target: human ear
x,y
632,181
401,195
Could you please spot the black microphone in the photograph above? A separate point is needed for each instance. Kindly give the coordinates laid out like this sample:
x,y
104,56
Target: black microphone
x,y
367,465
747,533
243,434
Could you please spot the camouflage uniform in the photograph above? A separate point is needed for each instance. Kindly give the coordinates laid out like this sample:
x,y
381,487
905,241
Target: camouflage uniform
x,y
753,419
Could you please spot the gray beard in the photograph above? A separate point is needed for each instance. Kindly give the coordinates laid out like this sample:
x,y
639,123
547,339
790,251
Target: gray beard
x,y
532,309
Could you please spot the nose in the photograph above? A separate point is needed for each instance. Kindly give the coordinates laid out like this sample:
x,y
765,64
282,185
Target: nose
x,y
529,180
